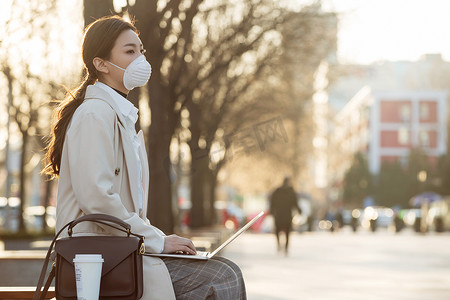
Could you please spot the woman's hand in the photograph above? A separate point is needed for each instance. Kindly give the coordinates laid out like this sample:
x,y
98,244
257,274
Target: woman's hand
x,y
173,243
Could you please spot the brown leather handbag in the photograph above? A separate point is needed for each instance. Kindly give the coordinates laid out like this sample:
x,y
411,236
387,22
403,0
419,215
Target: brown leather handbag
x,y
122,268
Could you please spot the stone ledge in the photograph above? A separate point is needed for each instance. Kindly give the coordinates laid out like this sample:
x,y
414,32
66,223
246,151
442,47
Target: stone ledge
x,y
23,254
22,292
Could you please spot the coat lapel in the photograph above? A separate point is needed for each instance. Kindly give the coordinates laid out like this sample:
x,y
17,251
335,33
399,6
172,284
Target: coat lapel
x,y
145,171
132,165
93,92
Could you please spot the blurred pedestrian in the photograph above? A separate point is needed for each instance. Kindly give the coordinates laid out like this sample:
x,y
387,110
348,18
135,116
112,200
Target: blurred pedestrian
x,y
354,222
338,220
282,201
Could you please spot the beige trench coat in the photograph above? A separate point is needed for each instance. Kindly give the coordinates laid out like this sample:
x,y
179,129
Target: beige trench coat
x,y
97,164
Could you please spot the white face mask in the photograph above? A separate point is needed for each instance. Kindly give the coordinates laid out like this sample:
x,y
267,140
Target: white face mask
x,y
137,73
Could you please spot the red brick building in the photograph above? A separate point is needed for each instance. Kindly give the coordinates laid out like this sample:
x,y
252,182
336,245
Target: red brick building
x,y
387,125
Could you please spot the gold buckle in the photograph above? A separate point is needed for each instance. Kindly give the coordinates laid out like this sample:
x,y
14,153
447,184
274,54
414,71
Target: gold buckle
x,y
142,248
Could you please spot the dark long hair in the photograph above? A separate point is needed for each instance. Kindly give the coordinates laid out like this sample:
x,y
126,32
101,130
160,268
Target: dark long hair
x,y
98,40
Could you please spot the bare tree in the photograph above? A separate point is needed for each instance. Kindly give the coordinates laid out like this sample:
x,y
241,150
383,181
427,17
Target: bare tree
x,y
230,100
197,50
235,33
28,91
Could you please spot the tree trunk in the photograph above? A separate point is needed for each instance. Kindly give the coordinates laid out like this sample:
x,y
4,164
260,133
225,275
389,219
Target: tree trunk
x,y
22,176
199,187
211,197
199,166
94,10
160,200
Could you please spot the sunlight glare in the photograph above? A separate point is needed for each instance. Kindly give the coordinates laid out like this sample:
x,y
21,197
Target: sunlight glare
x,y
372,31
5,8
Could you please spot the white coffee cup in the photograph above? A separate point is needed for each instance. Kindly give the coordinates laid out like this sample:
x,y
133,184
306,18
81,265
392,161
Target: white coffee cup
x,y
88,272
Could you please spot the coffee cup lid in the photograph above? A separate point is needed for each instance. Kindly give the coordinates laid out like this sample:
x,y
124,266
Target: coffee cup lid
x,y
88,258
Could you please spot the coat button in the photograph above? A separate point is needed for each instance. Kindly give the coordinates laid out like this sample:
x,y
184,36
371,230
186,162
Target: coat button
x,y
116,171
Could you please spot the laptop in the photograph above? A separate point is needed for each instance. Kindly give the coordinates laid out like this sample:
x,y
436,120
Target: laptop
x,y
207,255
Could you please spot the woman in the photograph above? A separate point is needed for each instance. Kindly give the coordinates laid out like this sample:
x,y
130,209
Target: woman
x,y
102,165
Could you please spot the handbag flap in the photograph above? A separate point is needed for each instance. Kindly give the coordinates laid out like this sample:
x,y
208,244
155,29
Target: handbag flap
x,y
114,249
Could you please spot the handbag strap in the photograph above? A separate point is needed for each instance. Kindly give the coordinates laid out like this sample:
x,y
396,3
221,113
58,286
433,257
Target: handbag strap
x,y
48,282
101,218
37,293
98,218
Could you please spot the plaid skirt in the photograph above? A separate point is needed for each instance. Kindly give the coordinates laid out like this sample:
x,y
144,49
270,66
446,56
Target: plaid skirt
x,y
216,278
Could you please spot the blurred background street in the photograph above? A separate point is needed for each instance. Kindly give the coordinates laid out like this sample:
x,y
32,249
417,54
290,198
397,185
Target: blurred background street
x,y
345,265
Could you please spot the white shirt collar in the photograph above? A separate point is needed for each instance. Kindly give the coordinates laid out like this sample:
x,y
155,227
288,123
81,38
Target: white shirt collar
x,y
126,107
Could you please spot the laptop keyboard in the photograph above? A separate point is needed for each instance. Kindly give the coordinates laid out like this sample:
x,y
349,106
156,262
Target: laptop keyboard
x,y
202,253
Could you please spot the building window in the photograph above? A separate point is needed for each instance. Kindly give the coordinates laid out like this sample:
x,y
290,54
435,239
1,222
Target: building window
x,y
403,136
405,113
424,138
424,111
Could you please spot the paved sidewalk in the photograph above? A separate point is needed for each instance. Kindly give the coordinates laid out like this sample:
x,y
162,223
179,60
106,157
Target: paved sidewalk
x,y
345,266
